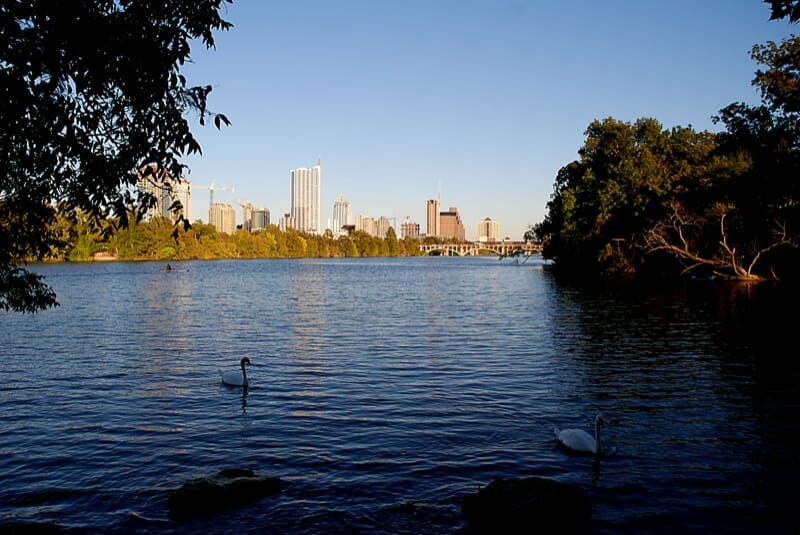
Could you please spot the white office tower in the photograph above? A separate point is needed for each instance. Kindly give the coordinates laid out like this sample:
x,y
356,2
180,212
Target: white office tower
x,y
222,217
341,215
488,231
366,224
306,195
183,192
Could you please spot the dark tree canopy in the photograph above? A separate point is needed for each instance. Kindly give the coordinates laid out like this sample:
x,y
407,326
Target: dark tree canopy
x,y
92,91
642,199
784,9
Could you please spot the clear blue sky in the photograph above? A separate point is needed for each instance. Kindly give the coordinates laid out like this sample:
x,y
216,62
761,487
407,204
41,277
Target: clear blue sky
x,y
479,103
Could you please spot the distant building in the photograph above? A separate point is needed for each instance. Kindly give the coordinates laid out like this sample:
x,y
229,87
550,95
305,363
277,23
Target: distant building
x,y
451,225
286,222
365,224
147,185
165,193
434,219
247,215
382,227
341,215
409,230
182,192
306,194
259,219
488,231
222,217
374,227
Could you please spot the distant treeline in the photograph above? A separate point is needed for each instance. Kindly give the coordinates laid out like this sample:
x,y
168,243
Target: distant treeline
x,y
161,239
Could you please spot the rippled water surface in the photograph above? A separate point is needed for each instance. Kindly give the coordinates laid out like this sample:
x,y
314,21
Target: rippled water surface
x,y
384,390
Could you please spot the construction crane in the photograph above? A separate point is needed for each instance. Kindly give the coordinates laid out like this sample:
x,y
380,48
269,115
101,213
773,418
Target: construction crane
x,y
211,189
244,204
247,212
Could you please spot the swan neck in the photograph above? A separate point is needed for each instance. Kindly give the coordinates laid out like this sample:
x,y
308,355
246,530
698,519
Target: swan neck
x,y
597,437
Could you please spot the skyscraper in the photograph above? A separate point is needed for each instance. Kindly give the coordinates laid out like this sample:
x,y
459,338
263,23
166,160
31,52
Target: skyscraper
x,y
183,192
488,231
451,225
222,217
341,214
259,219
434,219
306,195
366,224
409,230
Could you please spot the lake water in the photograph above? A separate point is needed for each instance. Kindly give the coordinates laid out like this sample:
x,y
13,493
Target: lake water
x,y
384,390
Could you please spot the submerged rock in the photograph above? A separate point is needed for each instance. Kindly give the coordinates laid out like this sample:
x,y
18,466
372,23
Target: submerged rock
x,y
528,505
229,488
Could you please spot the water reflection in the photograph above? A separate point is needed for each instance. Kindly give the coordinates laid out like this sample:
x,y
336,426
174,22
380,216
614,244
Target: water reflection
x,y
391,379
676,366
305,310
164,301
596,469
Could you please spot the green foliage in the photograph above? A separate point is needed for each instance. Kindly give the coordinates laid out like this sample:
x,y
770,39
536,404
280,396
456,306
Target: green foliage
x,y
643,199
365,244
24,291
160,240
779,83
93,89
630,180
347,247
764,218
409,247
391,246
617,188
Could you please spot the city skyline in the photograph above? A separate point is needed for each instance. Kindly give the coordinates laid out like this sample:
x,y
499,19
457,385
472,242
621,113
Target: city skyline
x,y
306,214
476,103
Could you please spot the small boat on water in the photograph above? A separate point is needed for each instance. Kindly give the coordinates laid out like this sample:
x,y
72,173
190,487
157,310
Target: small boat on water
x,y
104,256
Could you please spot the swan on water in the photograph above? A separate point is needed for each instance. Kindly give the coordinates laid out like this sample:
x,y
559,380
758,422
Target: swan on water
x,y
579,440
234,378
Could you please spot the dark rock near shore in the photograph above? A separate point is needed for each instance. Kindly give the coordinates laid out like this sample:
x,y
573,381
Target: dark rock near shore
x,y
528,505
229,488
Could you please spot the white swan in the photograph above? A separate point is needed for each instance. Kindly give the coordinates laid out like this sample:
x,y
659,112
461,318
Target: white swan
x,y
580,441
234,378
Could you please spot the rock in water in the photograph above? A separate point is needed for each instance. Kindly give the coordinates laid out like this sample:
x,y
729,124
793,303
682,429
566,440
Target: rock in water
x,y
528,505
230,473
229,488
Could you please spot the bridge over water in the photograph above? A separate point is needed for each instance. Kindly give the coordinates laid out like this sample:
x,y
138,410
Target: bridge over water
x,y
507,248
